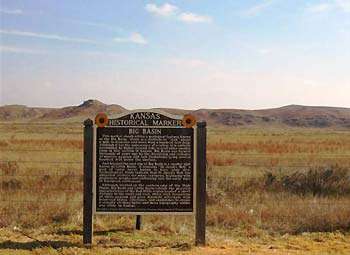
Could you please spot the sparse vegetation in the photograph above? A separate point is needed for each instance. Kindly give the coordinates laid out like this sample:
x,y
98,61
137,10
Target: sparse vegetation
x,y
262,186
328,181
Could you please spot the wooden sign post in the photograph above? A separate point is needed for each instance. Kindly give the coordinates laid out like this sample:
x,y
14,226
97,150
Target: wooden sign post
x,y
88,160
144,162
201,183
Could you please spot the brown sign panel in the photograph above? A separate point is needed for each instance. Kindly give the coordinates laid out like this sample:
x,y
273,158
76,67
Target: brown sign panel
x,y
144,164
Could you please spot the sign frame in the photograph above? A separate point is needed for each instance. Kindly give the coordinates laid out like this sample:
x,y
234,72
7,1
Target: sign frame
x,y
194,165
199,176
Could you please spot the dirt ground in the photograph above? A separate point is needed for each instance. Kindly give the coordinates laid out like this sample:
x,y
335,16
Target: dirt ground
x,y
143,242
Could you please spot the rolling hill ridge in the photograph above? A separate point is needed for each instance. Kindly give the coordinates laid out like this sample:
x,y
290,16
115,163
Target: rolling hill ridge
x,y
291,115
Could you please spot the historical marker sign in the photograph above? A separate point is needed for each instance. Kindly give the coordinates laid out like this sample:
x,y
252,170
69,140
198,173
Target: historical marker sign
x,y
144,163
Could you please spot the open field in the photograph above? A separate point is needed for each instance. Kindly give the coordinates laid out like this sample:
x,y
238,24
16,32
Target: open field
x,y
269,191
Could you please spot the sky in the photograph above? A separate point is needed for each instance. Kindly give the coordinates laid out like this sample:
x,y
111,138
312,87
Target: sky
x,y
191,54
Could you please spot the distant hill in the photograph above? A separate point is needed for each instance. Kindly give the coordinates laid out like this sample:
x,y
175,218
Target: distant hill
x,y
87,109
291,115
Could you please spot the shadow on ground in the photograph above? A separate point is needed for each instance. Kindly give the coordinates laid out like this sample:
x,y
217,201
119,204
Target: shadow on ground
x,y
109,241
98,233
64,244
37,244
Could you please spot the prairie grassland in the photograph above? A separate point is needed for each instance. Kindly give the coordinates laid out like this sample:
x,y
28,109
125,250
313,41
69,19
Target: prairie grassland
x,y
266,188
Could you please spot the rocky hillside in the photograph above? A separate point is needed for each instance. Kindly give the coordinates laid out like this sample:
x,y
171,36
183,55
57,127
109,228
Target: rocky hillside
x,y
292,115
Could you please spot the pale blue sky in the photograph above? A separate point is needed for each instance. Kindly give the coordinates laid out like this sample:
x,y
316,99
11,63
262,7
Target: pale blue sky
x,y
190,53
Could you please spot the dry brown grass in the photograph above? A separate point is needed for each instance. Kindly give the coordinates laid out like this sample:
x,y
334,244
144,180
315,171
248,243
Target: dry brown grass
x,y
46,143
281,147
269,181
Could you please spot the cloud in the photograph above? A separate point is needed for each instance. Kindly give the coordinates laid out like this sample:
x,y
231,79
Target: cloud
x,y
162,10
99,54
311,83
344,5
264,51
12,49
133,38
258,8
188,62
47,36
48,84
210,70
194,18
213,71
319,8
12,12
167,10
95,24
